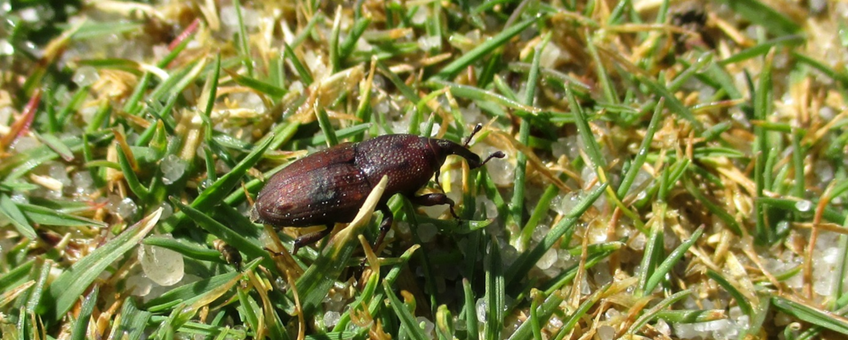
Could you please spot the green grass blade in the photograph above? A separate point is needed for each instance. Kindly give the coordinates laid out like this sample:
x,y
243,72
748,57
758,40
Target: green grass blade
x,y
472,325
811,314
81,325
495,292
13,214
16,275
433,26
249,309
228,235
568,274
642,154
19,165
184,247
535,323
372,294
798,163
671,260
763,48
653,252
359,27
451,70
691,316
94,29
841,270
186,293
550,74
132,179
335,59
714,208
302,71
308,29
55,144
474,93
422,258
592,149
36,292
609,93
243,39
408,92
761,14
674,104
670,177
406,318
539,212
830,214
444,323
528,259
543,312
125,65
840,76
652,313
517,204
326,126
581,311
221,188
681,79
76,101
741,300
133,321
66,289
260,86
762,108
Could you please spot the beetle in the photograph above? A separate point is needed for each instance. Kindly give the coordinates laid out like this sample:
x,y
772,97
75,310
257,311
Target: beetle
x,y
329,186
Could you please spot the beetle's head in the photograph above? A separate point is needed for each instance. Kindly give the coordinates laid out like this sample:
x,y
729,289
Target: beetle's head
x,y
444,147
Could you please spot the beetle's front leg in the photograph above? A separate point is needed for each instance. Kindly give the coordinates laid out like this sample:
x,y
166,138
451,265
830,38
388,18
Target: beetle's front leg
x,y
434,199
308,239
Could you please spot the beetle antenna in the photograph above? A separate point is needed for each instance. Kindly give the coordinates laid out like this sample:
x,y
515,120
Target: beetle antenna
x,y
496,154
476,130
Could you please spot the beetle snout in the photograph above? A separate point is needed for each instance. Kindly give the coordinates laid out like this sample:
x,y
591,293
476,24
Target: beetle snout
x,y
473,161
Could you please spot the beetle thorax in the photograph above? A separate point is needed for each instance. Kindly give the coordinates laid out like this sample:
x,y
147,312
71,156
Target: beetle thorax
x,y
408,160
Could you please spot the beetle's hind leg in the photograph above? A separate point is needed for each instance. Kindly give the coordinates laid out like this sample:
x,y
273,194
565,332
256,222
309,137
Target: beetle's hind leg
x,y
385,225
308,239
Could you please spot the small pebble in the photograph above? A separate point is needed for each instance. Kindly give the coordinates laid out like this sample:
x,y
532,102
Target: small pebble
x,y
85,76
427,232
426,43
481,310
173,168
547,259
331,318
426,325
163,266
126,208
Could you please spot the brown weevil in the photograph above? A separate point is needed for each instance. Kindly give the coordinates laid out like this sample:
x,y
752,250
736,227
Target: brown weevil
x,y
329,186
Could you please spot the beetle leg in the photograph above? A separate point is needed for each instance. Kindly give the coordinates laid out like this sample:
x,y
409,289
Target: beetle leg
x,y
438,182
308,239
435,199
426,199
386,225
